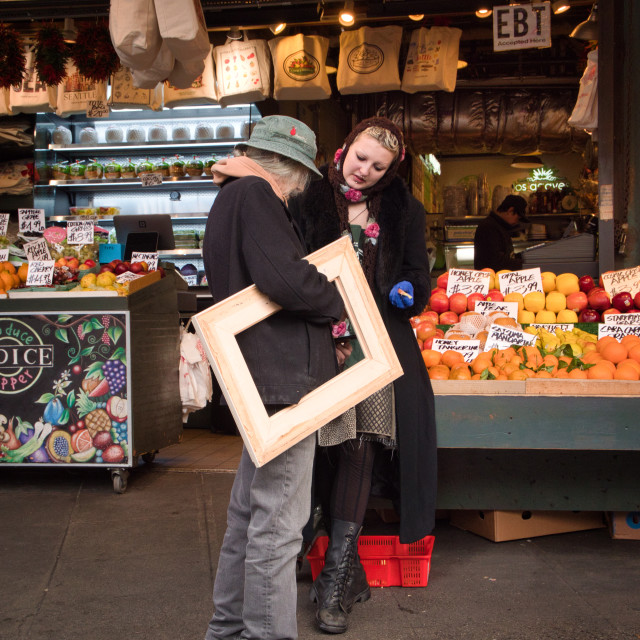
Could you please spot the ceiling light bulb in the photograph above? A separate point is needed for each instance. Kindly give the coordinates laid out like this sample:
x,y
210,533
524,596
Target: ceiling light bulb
x,y
462,63
416,17
484,12
560,6
277,28
527,162
347,16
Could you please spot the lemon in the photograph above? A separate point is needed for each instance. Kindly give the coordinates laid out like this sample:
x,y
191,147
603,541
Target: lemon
x,y
567,283
534,301
567,316
555,301
548,281
544,316
514,296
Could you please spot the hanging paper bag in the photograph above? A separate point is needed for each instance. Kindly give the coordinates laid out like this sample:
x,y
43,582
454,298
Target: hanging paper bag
x,y
369,60
201,91
134,30
125,96
32,95
300,71
585,112
243,71
158,71
184,30
75,92
5,106
432,60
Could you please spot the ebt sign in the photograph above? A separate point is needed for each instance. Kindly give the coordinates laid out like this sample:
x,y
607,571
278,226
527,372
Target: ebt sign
x,y
543,179
23,356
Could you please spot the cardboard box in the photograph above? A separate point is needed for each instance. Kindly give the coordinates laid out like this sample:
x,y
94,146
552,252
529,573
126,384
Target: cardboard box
x,y
624,525
513,525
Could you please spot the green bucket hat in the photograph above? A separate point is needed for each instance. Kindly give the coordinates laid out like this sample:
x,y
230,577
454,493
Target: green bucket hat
x,y
288,137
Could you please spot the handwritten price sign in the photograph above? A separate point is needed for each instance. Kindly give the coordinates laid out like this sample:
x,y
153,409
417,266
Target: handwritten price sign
x,y
623,280
79,232
485,307
37,250
97,109
503,337
30,220
468,348
151,179
468,281
4,223
551,328
150,258
622,319
40,273
523,281
4,255
617,331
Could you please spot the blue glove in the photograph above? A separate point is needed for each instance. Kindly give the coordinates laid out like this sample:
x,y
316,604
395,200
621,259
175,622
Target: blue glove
x,y
401,295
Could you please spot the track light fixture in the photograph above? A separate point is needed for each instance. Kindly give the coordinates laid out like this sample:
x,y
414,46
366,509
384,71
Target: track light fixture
x,y
234,33
560,6
69,31
484,11
587,30
416,17
347,16
527,162
277,28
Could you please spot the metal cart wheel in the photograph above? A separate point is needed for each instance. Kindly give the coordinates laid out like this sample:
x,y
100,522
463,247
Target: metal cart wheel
x,y
149,457
119,479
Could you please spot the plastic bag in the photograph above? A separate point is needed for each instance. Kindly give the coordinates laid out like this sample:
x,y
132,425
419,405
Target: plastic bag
x,y
196,387
585,112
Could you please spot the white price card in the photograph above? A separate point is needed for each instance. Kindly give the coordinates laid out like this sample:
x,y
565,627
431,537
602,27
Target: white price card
x,y
192,281
150,179
79,232
128,276
503,337
97,109
618,331
622,319
485,307
468,348
523,281
30,220
622,280
552,327
468,281
40,273
4,254
4,223
151,258
37,250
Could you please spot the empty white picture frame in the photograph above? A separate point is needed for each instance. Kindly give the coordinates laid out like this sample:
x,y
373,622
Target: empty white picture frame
x,y
268,436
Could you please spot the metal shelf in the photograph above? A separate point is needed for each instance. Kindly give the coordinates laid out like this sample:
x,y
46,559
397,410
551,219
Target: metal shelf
x,y
127,184
149,146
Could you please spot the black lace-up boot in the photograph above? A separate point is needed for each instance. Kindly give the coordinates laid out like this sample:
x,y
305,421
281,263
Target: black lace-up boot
x,y
342,581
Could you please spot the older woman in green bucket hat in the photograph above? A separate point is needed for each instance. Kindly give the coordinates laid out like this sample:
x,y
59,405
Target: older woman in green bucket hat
x,y
250,238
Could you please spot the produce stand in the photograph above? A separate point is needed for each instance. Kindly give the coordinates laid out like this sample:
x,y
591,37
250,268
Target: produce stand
x,y
90,379
538,444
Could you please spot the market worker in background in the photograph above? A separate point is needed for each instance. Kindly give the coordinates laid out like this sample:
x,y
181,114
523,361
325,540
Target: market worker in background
x,y
492,244
250,239
392,433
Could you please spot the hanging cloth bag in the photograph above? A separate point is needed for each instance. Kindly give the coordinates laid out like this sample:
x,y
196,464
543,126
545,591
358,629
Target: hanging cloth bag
x,y
432,60
369,60
196,387
75,92
32,95
201,91
135,34
585,112
5,105
243,71
125,96
300,71
159,70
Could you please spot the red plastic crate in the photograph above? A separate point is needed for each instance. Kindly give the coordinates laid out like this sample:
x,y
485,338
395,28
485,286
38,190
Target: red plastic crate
x,y
386,562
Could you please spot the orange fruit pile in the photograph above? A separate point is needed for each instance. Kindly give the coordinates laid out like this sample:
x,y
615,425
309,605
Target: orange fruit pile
x,y
10,277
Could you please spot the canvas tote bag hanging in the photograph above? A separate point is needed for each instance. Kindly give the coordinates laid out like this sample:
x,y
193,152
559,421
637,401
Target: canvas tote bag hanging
x,y
31,95
124,95
369,60
243,71
432,60
201,91
75,92
299,68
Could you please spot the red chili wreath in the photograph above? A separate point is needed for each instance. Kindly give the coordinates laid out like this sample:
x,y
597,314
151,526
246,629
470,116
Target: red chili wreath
x,y
93,54
13,62
51,53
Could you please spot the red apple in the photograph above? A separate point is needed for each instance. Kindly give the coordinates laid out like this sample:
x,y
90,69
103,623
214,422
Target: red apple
x,y
589,315
448,317
608,312
430,316
117,408
458,303
439,302
622,301
438,290
136,267
115,262
90,263
442,280
598,299
120,268
636,300
586,283
495,295
106,267
577,301
472,298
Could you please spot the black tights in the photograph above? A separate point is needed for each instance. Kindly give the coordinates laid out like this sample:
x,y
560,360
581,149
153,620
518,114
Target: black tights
x,y
352,482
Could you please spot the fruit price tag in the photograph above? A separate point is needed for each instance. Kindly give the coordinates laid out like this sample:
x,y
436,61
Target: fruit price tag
x,y
150,258
468,281
485,307
37,250
97,109
40,273
128,276
192,281
150,179
503,337
624,280
30,220
523,281
617,331
622,319
4,223
79,232
468,348
4,255
551,328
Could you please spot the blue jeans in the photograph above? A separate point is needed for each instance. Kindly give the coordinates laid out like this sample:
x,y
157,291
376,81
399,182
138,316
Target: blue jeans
x,y
255,587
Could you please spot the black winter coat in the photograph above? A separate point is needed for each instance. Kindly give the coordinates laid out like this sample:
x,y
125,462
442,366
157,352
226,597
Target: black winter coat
x,y
402,255
492,245
250,238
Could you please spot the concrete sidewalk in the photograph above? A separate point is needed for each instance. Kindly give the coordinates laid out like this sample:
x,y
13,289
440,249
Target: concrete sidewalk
x,y
80,562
